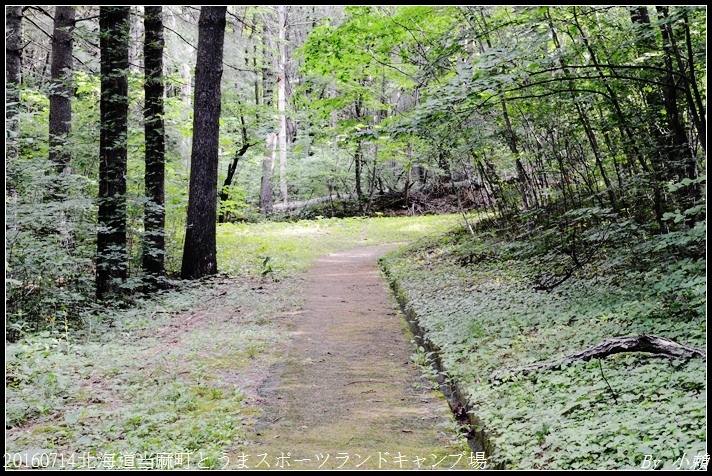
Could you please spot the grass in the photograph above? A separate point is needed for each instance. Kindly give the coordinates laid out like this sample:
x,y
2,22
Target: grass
x,y
293,247
175,374
485,315
168,375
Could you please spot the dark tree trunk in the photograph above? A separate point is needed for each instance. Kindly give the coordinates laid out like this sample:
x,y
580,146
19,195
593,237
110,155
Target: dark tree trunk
x,y
60,103
13,66
358,157
13,57
199,253
358,162
154,247
683,162
624,122
111,255
232,168
697,105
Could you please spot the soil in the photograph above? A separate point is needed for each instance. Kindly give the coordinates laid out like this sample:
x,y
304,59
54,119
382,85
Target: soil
x,y
346,395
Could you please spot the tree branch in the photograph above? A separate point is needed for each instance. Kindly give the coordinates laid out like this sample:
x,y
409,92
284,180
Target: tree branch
x,y
39,9
658,346
195,48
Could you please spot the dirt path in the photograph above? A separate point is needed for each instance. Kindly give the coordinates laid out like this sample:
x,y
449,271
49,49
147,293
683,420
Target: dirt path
x,y
347,395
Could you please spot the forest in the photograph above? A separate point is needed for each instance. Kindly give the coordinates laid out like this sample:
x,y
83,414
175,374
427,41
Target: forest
x,y
176,175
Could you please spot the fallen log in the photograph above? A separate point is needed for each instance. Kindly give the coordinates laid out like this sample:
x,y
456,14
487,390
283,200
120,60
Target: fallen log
x,y
658,346
304,203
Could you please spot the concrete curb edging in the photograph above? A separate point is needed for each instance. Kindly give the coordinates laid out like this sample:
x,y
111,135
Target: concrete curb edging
x,y
478,441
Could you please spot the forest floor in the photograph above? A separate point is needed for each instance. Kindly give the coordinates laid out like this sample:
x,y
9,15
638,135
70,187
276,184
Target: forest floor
x,y
347,394
297,357
299,361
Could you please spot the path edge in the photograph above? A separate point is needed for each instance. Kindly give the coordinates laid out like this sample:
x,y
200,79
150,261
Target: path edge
x,y
478,440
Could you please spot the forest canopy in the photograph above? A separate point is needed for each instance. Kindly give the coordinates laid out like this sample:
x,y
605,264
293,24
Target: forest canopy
x,y
582,127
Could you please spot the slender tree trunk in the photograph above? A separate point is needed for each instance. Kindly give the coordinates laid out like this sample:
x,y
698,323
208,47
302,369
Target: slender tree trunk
x,y
267,169
282,102
683,163
60,103
522,177
590,134
232,168
155,214
358,162
358,157
266,192
185,88
135,33
13,67
111,257
200,253
696,104
688,83
657,173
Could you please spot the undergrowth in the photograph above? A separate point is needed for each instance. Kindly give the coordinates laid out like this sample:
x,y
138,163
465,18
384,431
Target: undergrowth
x,y
175,373
477,299
168,376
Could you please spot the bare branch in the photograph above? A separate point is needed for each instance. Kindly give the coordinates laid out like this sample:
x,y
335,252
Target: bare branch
x,y
40,29
195,48
86,19
39,9
658,346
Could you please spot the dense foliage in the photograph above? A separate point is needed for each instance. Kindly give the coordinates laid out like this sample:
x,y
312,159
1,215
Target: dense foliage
x,y
478,303
576,133
559,120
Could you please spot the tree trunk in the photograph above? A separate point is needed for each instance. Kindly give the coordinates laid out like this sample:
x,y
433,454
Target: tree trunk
x,y
60,103
267,169
358,162
111,237
624,124
13,57
697,105
185,88
135,33
683,162
282,102
199,253
266,192
154,248
232,168
13,67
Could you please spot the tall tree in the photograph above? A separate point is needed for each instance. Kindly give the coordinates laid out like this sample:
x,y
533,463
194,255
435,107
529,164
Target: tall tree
x,y
13,65
111,256
155,213
60,102
282,101
13,54
200,253
266,199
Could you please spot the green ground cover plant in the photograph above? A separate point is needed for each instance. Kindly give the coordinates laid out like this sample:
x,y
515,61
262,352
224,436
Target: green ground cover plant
x,y
291,247
476,298
163,376
176,371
